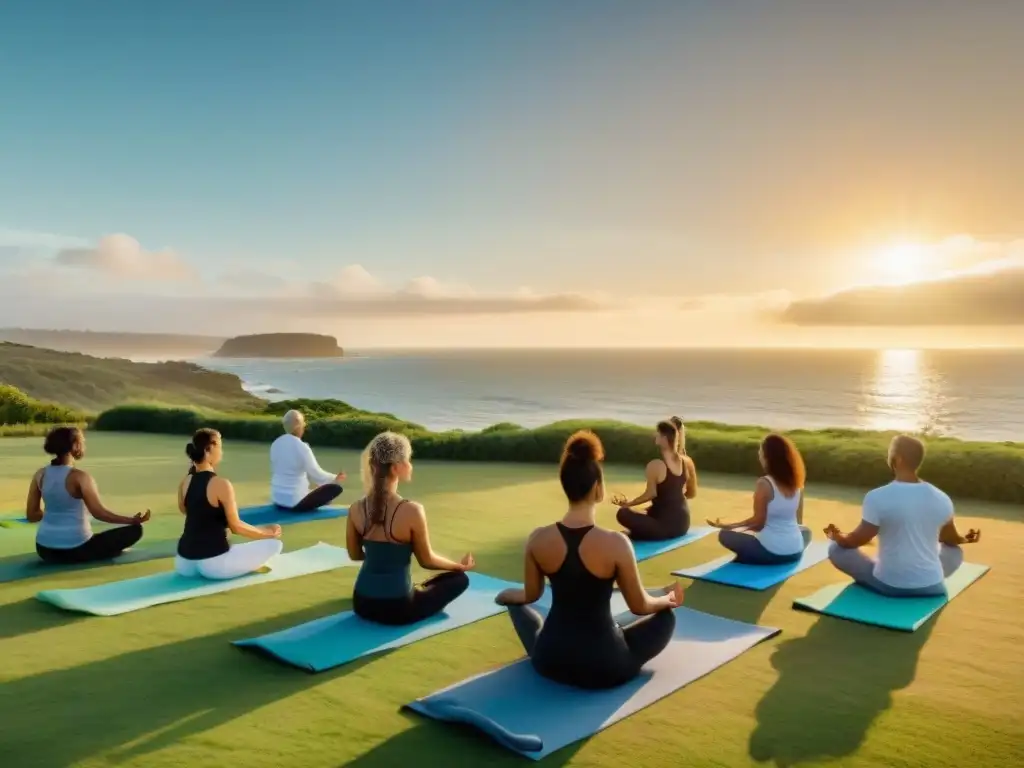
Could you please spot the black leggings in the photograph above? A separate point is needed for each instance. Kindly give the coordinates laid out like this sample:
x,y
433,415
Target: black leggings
x,y
644,527
750,551
102,546
645,638
318,497
429,598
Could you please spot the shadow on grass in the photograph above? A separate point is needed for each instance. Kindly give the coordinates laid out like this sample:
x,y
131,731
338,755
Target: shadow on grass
x,y
146,700
27,616
833,683
729,602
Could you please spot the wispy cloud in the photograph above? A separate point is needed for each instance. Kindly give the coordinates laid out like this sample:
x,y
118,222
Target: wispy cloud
x,y
353,291
123,256
29,240
982,283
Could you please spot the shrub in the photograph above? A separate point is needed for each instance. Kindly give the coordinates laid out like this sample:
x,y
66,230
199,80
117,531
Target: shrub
x,y
987,471
17,408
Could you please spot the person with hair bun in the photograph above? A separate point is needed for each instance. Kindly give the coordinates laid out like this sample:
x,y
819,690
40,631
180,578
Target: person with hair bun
x,y
210,509
671,481
385,531
62,498
775,533
580,643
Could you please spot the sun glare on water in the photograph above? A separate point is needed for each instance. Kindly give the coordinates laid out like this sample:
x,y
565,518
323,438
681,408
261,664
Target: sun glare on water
x,y
902,262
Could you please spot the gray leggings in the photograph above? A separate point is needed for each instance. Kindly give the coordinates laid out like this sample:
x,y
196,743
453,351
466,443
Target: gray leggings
x,y
861,568
750,551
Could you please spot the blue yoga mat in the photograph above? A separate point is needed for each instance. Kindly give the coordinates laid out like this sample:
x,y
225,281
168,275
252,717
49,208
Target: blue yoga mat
x,y
268,514
260,514
645,550
338,639
133,594
855,603
758,577
534,717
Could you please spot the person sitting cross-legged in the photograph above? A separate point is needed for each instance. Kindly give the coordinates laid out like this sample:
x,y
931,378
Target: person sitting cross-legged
x,y
919,546
293,466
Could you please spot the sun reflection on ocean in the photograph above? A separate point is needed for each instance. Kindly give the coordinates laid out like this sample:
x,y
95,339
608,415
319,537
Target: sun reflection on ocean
x,y
904,394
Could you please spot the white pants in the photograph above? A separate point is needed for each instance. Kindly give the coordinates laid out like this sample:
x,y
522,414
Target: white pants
x,y
237,561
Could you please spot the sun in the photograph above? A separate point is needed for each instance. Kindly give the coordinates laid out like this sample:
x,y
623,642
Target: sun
x,y
902,262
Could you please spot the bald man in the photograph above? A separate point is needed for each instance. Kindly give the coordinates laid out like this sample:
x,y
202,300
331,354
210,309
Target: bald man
x,y
293,467
918,543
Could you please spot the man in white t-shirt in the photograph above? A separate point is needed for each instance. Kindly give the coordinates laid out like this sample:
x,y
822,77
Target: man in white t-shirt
x,y
918,543
293,467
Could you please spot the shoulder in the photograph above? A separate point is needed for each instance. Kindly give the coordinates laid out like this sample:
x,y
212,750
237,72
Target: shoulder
x,y
616,541
221,484
878,494
411,509
656,467
764,486
942,497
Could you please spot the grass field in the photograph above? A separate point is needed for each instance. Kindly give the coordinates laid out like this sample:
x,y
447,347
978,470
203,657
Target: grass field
x,y
163,686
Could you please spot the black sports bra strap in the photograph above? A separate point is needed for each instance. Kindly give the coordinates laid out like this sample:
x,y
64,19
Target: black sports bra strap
x,y
391,527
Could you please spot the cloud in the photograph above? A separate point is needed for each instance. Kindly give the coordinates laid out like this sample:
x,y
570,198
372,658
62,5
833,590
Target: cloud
x,y
122,256
29,240
991,293
765,301
354,291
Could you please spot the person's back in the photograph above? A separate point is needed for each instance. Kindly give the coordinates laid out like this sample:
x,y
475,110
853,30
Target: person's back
x,y
288,481
205,533
66,524
671,499
781,533
580,632
386,572
909,517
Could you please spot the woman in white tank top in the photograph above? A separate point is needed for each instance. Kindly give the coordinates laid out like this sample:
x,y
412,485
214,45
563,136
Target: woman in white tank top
x,y
775,533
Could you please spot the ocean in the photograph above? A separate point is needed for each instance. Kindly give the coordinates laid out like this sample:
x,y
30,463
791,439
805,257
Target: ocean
x,y
974,394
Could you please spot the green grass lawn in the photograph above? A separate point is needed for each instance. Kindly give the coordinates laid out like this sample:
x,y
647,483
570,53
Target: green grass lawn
x,y
164,687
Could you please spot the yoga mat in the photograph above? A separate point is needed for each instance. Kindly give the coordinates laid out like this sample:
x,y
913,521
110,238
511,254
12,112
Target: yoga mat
x,y
645,550
125,596
343,637
534,717
855,603
757,577
268,514
28,565
261,514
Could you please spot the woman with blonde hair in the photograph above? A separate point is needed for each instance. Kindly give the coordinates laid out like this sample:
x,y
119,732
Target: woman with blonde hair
x,y
385,531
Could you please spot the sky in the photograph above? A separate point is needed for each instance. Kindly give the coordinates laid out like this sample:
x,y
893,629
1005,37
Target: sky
x,y
460,173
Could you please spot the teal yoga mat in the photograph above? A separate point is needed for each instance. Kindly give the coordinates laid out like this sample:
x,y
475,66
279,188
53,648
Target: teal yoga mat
x,y
645,550
855,603
334,640
756,577
134,594
534,717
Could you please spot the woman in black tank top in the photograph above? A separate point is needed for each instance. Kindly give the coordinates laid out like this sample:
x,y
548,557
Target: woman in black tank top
x,y
208,503
668,488
580,643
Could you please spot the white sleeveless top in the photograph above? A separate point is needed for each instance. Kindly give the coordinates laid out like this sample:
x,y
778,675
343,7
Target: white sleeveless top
x,y
781,533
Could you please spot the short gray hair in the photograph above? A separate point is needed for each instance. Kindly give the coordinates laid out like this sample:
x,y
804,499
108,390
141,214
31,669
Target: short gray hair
x,y
292,420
